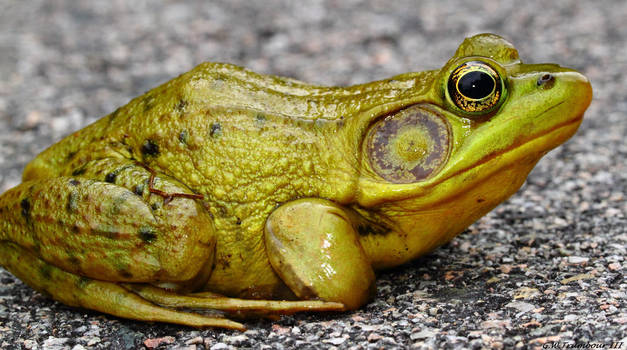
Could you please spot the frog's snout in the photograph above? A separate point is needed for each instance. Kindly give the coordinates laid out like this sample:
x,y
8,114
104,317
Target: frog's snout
x,y
580,89
573,88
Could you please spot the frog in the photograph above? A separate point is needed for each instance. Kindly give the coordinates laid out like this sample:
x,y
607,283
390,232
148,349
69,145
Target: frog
x,y
225,193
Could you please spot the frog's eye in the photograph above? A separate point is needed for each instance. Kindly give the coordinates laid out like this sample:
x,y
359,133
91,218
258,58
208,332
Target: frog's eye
x,y
408,146
475,87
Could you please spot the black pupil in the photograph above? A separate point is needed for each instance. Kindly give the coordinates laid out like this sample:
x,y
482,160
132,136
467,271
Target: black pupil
x,y
476,85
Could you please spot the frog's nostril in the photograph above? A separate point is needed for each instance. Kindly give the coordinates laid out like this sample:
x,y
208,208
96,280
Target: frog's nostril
x,y
546,80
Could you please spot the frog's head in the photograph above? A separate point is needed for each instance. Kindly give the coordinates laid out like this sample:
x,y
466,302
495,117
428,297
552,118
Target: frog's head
x,y
448,156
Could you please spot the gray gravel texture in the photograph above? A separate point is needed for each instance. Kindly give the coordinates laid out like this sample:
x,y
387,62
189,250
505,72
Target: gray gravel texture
x,y
546,267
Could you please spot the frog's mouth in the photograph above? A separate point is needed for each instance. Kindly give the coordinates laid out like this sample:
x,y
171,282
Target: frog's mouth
x,y
545,139
508,166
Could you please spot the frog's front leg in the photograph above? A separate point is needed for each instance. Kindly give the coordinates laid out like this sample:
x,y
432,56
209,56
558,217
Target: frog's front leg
x,y
313,246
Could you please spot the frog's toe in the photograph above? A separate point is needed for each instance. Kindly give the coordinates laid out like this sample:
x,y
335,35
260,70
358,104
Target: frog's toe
x,y
213,301
107,297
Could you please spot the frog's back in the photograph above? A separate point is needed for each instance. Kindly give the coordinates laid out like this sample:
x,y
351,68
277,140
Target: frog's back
x,y
265,114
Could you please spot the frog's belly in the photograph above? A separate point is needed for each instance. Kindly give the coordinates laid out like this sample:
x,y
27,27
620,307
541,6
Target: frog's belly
x,y
241,269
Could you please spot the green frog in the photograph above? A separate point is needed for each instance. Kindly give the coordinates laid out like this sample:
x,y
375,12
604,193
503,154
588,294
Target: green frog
x,y
249,194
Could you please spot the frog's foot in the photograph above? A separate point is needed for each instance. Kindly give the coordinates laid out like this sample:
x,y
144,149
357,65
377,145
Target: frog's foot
x,y
213,301
103,296
314,248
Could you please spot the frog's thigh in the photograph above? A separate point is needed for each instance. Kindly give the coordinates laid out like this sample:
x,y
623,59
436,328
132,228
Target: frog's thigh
x,y
314,248
104,224
97,295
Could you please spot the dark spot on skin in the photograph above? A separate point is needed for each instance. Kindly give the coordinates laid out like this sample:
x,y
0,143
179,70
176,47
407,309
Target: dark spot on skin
x,y
25,205
74,182
139,189
238,221
72,202
479,200
147,234
76,229
183,136
340,122
118,202
110,177
224,261
126,274
149,102
155,206
215,130
181,105
150,148
79,171
71,155
74,261
45,271
260,119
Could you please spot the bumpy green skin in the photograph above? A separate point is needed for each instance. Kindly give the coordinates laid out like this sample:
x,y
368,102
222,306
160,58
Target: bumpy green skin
x,y
249,144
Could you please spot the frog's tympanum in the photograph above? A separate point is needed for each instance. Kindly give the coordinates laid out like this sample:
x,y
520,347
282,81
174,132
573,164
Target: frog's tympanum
x,y
248,194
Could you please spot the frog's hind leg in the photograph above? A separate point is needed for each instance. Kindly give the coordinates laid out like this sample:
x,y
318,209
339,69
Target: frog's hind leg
x,y
104,222
232,305
102,296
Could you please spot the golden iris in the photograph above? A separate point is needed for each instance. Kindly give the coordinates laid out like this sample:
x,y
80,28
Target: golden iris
x,y
474,87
